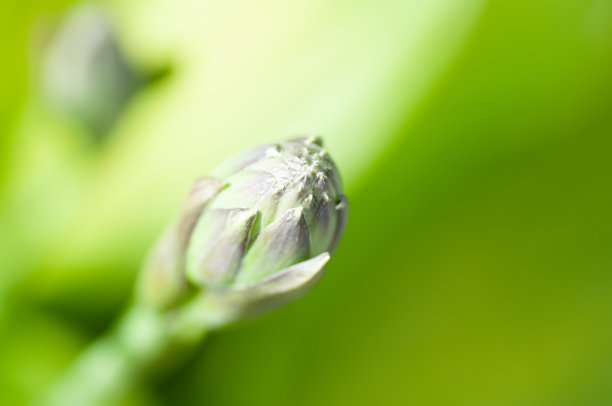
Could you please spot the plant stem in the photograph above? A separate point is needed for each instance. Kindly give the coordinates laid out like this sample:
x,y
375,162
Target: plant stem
x,y
107,369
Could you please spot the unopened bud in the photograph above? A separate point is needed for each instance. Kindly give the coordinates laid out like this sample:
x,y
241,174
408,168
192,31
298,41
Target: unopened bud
x,y
262,233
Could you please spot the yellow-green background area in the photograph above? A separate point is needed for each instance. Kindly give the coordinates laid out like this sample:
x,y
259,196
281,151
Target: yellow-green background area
x,y
474,138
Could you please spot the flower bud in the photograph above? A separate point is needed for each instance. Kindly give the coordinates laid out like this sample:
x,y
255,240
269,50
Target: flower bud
x,y
85,74
260,234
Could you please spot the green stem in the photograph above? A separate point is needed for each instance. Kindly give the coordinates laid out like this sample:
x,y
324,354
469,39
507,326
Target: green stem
x,y
114,363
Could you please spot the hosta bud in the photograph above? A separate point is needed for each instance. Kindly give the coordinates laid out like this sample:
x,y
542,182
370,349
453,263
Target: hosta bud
x,y
85,74
256,235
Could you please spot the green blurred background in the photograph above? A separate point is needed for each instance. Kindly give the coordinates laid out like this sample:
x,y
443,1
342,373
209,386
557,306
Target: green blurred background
x,y
475,142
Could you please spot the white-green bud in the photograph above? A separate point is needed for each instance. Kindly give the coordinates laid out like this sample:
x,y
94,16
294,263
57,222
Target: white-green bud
x,y
256,234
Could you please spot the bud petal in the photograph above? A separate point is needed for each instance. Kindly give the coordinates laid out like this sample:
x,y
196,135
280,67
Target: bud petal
x,y
218,244
293,196
202,191
162,279
226,305
323,224
283,243
248,188
247,158
292,278
283,286
341,216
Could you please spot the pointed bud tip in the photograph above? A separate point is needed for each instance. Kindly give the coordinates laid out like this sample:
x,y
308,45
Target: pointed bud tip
x,y
313,139
295,213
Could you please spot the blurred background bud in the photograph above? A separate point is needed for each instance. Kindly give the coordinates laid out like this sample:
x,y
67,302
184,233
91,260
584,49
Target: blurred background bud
x,y
85,73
